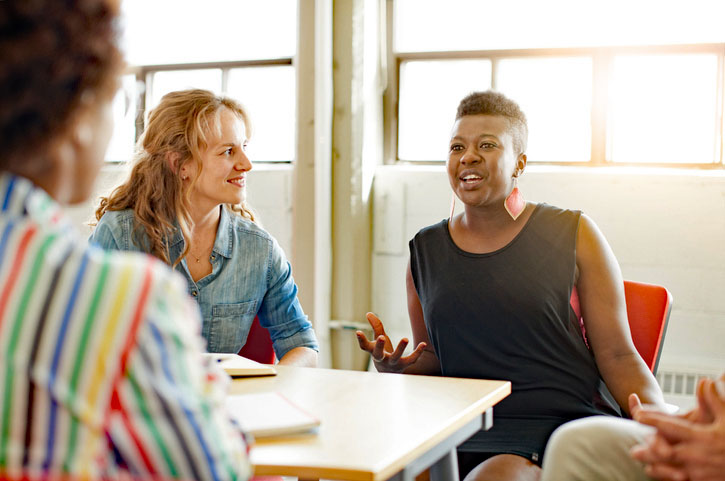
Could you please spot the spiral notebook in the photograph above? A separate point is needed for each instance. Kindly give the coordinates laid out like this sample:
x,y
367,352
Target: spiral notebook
x,y
270,414
238,366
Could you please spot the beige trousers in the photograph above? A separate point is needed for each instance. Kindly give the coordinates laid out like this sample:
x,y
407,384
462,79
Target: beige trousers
x,y
595,449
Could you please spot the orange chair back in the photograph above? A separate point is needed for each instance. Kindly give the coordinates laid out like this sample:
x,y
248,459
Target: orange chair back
x,y
648,312
259,344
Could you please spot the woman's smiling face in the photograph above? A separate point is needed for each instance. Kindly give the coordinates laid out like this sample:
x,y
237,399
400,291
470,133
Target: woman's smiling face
x,y
224,164
481,159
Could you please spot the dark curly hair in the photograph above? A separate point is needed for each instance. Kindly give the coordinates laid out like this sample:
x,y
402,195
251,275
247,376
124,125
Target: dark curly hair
x,y
54,56
495,103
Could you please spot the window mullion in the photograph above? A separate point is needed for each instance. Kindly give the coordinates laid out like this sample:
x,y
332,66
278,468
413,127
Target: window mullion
x,y
720,113
140,93
601,75
225,79
390,96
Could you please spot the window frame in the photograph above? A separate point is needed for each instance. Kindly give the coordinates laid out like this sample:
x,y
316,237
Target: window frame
x,y
144,76
602,65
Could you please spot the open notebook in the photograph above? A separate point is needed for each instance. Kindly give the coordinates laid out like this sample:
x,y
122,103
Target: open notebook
x,y
238,366
270,414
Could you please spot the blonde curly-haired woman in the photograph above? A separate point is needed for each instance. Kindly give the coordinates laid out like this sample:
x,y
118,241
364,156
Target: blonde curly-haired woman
x,y
184,203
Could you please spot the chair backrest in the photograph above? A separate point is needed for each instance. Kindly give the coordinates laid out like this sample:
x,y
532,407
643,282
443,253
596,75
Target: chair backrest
x,y
648,311
259,344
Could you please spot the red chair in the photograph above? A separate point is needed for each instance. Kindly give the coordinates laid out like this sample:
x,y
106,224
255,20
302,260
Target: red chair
x,y
259,344
648,311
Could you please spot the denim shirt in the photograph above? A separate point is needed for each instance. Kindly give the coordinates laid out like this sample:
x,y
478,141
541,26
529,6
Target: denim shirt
x,y
250,276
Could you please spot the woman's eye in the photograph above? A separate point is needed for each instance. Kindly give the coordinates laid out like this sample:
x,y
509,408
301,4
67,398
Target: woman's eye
x,y
456,148
488,145
228,151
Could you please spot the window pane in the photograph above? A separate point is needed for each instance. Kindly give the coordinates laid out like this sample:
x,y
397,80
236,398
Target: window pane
x,y
120,149
429,95
426,25
663,108
165,82
555,94
268,93
185,31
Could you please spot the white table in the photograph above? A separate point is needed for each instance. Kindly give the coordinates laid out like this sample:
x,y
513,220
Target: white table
x,y
375,426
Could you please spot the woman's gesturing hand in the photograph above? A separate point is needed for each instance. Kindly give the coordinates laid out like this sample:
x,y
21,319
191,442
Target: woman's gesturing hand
x,y
381,348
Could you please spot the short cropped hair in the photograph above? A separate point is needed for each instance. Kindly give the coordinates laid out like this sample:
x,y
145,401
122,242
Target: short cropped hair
x,y
495,103
55,55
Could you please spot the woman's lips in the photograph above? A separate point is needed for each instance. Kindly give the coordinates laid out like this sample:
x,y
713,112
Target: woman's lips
x,y
237,181
470,179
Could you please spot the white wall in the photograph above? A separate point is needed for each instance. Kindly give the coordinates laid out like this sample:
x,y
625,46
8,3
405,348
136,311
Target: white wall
x,y
665,227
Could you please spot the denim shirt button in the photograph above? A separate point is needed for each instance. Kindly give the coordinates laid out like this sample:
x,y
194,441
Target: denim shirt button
x,y
194,293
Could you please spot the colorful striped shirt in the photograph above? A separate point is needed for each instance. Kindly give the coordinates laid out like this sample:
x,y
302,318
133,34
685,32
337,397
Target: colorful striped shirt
x,y
100,367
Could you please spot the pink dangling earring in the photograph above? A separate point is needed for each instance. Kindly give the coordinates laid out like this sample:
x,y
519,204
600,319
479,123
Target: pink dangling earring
x,y
515,203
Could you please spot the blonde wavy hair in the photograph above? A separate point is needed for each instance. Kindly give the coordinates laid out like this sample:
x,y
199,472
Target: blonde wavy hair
x,y
176,133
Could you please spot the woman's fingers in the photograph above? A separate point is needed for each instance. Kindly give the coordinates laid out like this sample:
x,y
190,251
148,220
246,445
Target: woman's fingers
x,y
379,330
655,450
635,405
363,341
672,428
378,351
413,356
665,472
399,350
376,324
380,348
714,402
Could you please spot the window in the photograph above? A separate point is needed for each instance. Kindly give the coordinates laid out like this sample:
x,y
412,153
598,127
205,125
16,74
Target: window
x,y
556,95
124,130
601,83
266,91
664,108
240,49
272,108
423,136
162,82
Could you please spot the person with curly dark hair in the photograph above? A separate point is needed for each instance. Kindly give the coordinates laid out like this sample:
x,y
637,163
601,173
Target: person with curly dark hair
x,y
101,371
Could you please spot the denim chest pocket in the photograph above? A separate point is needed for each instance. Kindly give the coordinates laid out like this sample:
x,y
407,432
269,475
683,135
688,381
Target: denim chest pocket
x,y
230,325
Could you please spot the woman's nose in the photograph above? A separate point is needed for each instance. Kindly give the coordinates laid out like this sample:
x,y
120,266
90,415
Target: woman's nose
x,y
243,163
470,157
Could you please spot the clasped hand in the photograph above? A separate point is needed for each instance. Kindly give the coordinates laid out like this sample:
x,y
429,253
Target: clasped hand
x,y
690,446
386,358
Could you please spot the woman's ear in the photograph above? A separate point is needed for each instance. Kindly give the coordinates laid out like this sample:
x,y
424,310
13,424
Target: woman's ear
x,y
172,159
520,164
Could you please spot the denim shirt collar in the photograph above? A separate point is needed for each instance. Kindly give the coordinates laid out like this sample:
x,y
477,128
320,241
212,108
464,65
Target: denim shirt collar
x,y
224,238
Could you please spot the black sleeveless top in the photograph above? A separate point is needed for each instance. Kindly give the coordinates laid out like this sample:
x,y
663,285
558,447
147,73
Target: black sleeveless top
x,y
506,315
